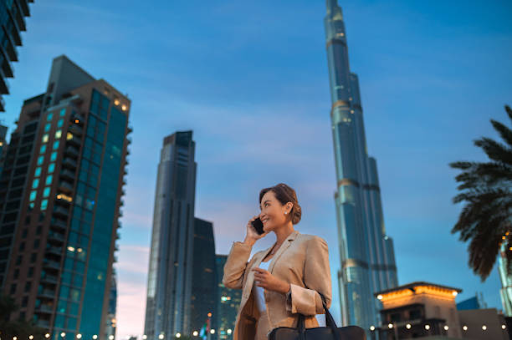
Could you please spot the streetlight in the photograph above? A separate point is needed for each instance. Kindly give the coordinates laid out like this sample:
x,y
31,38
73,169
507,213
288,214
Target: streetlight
x,y
79,336
111,337
390,326
144,337
465,327
47,335
503,327
178,335
372,328
446,327
195,333
484,327
95,337
427,327
31,337
161,336
212,331
62,334
229,331
408,326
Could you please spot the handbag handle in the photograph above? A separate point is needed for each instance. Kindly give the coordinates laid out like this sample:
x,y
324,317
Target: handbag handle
x,y
329,321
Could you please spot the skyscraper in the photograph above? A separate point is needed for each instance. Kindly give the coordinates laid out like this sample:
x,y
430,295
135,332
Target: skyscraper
x,y
366,252
228,301
60,199
171,257
204,278
12,21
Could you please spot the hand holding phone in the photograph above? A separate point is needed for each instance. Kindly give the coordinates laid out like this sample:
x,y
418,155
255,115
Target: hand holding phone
x,y
254,231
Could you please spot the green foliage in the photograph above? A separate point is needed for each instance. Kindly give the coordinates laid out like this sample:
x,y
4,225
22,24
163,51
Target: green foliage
x,y
21,329
485,191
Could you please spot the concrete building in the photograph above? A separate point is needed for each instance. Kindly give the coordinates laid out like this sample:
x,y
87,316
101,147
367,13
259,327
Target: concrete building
x,y
60,200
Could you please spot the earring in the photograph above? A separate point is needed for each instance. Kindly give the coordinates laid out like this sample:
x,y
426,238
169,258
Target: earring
x,y
285,212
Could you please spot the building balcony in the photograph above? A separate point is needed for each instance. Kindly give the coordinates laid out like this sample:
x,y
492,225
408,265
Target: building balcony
x,y
45,309
54,250
67,174
59,224
19,16
50,279
24,7
15,31
11,47
76,130
69,163
55,237
43,323
57,210
71,151
4,86
49,264
74,140
66,187
47,293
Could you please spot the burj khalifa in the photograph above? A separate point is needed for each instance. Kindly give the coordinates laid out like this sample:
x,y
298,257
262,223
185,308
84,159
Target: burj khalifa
x,y
366,252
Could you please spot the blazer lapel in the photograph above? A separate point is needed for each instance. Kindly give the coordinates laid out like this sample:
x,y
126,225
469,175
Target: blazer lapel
x,y
282,249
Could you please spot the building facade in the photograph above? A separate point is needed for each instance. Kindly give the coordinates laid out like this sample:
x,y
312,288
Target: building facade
x,y
366,252
60,200
228,301
12,20
203,305
170,274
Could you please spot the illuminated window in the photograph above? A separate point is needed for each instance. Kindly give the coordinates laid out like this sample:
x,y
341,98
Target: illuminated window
x,y
58,133
44,204
53,157
69,136
37,173
35,183
33,195
46,192
49,117
40,160
60,123
62,112
43,149
47,127
49,179
51,168
45,138
56,145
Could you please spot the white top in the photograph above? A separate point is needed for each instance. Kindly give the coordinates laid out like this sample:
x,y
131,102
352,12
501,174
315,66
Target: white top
x,y
259,292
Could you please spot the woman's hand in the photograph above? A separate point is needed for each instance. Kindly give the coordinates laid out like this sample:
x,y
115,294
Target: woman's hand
x,y
268,281
251,235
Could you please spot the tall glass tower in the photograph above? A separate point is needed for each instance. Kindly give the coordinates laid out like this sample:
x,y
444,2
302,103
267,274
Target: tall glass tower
x,y
169,294
366,253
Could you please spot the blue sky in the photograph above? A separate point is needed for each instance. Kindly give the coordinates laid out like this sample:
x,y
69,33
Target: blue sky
x,y
250,79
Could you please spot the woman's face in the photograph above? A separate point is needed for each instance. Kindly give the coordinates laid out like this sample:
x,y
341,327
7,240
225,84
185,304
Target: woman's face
x,y
273,212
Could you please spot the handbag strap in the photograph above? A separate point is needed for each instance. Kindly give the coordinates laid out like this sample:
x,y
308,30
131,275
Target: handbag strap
x,y
329,321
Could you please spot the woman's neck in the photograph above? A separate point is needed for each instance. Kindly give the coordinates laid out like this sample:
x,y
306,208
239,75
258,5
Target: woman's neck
x,y
283,232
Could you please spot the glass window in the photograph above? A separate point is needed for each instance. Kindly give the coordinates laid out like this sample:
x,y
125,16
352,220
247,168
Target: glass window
x,y
64,292
43,148
51,168
45,138
40,160
44,204
61,307
63,112
71,323
49,117
37,173
60,123
33,195
49,179
56,145
35,183
46,192
59,321
47,127
58,134
53,156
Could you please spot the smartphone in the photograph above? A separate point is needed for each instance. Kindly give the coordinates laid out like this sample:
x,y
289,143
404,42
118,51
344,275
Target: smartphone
x,y
258,226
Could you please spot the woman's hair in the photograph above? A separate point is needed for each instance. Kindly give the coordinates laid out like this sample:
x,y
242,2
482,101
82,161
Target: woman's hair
x,y
285,194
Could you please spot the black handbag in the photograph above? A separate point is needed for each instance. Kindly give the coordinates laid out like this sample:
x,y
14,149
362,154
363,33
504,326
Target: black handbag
x,y
331,332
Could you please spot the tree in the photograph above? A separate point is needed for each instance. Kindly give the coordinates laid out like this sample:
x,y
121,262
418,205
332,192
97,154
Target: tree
x,y
21,329
485,190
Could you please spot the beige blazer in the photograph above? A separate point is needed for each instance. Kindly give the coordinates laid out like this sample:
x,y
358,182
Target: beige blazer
x,y
303,261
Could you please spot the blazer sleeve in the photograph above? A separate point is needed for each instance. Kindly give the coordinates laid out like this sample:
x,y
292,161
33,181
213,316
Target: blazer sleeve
x,y
237,261
317,278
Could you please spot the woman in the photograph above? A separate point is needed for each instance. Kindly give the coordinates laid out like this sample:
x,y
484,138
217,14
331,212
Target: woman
x,y
284,280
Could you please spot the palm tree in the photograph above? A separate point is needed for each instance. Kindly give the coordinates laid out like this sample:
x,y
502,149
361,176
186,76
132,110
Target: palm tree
x,y
485,189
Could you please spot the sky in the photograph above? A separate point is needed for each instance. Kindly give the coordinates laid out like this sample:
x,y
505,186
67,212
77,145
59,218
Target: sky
x,y
250,79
